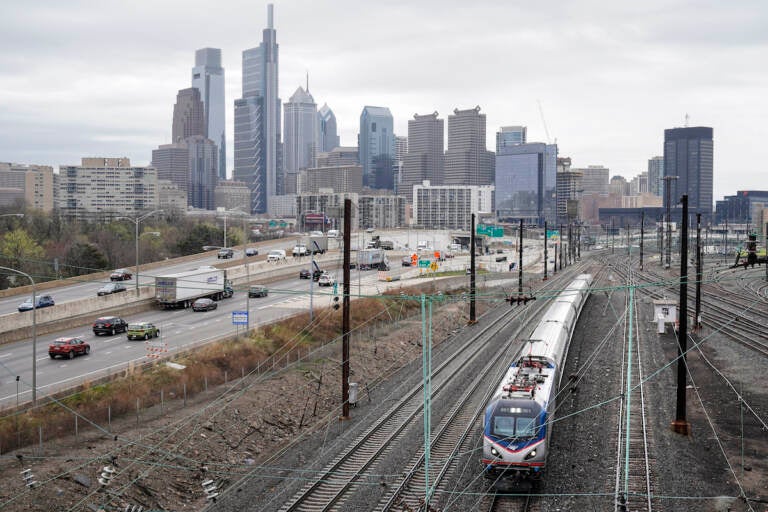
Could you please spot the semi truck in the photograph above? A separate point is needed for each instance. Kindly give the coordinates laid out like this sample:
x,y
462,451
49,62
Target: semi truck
x,y
180,290
317,244
369,259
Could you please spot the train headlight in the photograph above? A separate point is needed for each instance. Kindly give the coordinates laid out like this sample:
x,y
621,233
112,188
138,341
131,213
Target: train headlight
x,y
531,454
495,452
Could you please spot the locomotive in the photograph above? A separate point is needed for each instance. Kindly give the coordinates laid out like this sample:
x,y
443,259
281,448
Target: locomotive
x,y
518,418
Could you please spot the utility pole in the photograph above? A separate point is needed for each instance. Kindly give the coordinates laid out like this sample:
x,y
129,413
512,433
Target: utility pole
x,y
472,317
668,190
697,319
613,235
561,246
681,425
546,260
345,312
520,262
642,235
766,252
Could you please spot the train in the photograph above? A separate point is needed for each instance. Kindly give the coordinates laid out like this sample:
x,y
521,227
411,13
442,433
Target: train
x,y
517,423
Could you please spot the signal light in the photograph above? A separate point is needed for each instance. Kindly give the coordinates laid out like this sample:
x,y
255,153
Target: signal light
x,y
335,303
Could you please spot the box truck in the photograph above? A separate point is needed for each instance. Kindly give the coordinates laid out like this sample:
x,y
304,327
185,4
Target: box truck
x,y
317,244
181,289
369,259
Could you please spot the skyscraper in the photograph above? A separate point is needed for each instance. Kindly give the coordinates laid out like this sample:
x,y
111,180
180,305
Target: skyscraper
x,y
688,155
424,159
188,115
208,78
376,144
300,127
526,181
258,160
327,133
510,136
655,172
467,162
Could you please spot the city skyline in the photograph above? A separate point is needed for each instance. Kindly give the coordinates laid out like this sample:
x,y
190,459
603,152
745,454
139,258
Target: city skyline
x,y
604,80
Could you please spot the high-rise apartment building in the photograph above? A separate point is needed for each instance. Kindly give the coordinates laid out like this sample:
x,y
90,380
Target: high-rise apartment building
x,y
424,159
300,129
258,146
188,115
376,145
32,184
511,136
106,187
208,78
688,154
655,173
401,148
450,206
526,182
327,133
467,161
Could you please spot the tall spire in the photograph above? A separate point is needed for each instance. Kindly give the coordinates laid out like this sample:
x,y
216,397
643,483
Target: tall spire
x,y
270,16
307,81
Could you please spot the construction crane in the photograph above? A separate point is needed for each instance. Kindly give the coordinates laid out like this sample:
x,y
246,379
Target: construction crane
x,y
544,122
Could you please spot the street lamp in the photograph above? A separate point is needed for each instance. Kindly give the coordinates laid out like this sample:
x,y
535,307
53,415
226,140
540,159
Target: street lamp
x,y
34,334
136,221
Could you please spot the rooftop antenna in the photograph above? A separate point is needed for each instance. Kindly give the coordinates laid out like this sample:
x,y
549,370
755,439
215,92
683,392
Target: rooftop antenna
x,y
307,81
544,122
686,119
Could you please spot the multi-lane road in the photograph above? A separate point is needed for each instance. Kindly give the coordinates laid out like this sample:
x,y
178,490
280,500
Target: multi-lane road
x,y
179,329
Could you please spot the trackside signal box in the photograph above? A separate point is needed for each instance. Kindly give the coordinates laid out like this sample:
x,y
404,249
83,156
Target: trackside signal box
x,y
664,312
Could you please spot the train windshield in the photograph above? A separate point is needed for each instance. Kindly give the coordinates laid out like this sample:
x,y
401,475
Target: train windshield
x,y
513,420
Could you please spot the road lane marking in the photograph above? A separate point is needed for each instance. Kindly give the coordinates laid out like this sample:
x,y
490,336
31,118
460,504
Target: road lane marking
x,y
7,354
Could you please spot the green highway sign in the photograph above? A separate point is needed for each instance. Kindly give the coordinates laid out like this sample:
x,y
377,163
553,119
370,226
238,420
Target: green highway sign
x,y
489,230
424,263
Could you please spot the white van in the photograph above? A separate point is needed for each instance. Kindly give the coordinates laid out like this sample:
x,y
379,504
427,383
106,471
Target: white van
x,y
333,233
276,255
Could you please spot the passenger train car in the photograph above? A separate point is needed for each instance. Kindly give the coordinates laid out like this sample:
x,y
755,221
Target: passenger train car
x,y
517,421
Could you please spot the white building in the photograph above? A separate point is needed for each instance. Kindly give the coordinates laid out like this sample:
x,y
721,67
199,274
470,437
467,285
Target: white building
x,y
450,206
106,187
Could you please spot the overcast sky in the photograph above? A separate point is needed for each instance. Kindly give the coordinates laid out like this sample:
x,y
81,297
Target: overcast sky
x,y
100,77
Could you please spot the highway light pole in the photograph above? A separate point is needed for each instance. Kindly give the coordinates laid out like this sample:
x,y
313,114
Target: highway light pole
x,y
34,333
137,221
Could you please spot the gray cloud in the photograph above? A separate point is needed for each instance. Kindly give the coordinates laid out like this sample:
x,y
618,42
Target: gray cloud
x,y
100,78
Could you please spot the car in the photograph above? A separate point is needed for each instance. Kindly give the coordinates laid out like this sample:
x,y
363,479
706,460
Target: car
x,y
121,274
225,253
326,280
68,347
41,301
469,270
304,274
316,274
142,331
251,251
204,305
406,261
370,230
110,288
109,325
258,290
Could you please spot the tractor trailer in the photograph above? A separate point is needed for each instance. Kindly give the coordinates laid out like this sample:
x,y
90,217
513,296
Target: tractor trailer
x,y
181,289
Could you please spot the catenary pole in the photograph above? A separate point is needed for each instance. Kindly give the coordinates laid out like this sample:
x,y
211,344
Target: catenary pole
x,y
472,317
345,312
681,425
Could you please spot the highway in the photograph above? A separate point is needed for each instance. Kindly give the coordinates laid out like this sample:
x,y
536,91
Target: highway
x,y
179,329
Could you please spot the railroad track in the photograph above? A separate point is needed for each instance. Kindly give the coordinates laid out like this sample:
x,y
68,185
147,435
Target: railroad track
x,y
328,489
454,434
717,316
634,475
